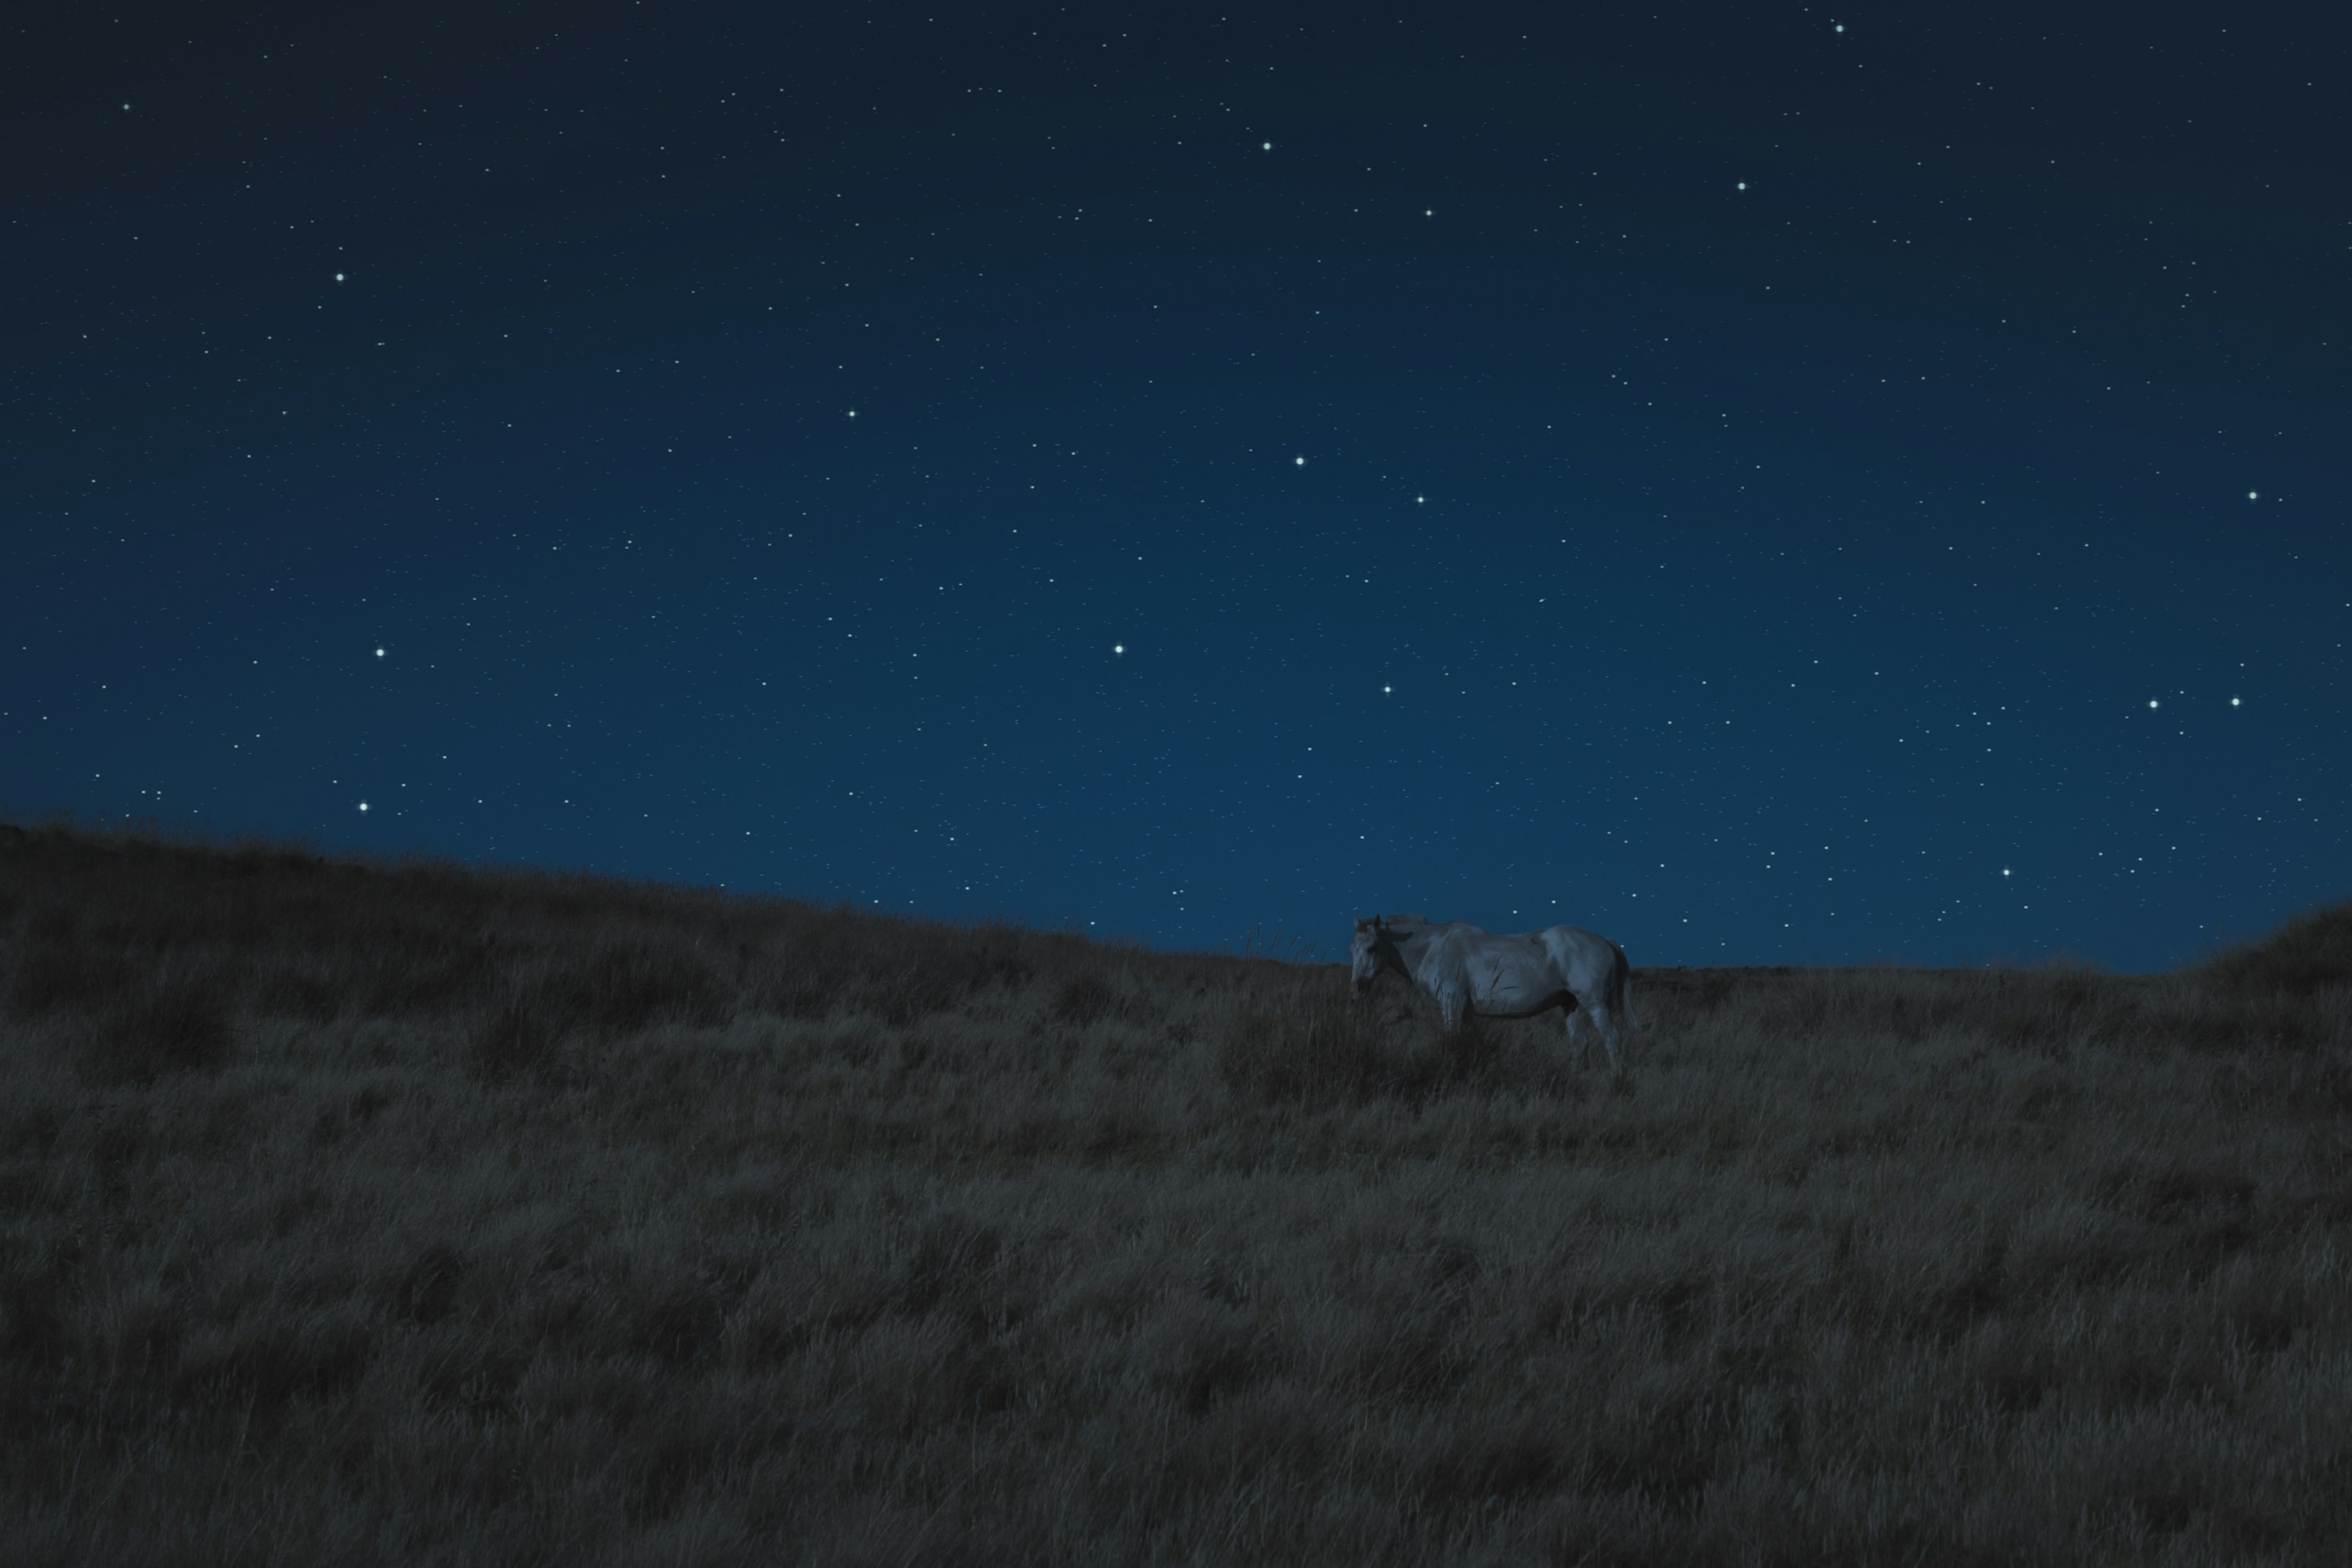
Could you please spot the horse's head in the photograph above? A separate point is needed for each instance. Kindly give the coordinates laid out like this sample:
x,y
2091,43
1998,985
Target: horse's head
x,y
1373,946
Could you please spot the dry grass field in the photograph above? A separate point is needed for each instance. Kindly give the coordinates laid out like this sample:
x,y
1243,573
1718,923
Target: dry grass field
x,y
404,1214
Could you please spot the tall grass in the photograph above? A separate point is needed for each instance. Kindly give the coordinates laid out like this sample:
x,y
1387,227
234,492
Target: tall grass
x,y
400,1212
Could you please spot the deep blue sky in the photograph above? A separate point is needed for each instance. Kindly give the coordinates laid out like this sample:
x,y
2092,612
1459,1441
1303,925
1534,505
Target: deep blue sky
x,y
1738,484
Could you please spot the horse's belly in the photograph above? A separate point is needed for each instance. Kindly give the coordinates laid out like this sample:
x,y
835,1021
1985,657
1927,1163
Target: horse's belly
x,y
1521,998
1510,978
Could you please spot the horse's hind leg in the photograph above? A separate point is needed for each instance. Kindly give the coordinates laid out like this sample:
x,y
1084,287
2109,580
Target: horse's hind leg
x,y
1579,1032
1612,1036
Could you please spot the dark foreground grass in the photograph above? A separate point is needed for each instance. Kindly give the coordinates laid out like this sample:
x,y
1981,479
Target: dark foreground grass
x,y
399,1214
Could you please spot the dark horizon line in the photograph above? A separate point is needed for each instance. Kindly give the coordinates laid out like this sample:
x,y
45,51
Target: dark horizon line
x,y
190,837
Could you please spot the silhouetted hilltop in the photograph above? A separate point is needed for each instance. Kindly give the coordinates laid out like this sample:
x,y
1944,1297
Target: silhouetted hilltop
x,y
170,938
2311,953
532,957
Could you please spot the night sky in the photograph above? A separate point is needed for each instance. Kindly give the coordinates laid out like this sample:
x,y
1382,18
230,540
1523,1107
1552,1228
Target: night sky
x,y
1770,484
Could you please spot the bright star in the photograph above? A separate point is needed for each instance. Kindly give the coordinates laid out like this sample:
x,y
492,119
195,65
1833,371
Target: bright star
x,y
1420,501
2233,703
2151,702
853,414
1743,184
379,653
339,278
1387,689
1298,462
363,806
1119,649
1266,146
2004,870
2252,495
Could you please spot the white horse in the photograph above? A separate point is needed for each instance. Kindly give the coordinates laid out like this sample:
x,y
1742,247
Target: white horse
x,y
1472,971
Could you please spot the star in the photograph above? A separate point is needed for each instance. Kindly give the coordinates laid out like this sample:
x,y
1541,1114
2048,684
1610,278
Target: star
x,y
2252,495
363,806
1119,649
1743,184
339,278
379,653
1266,146
853,414
2151,702
2233,703
1298,462
1420,501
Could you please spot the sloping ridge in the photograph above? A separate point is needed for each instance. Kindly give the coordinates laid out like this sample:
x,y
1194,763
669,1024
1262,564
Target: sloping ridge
x,y
2310,952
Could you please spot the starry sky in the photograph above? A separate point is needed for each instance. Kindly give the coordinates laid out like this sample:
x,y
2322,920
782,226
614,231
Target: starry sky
x,y
1769,483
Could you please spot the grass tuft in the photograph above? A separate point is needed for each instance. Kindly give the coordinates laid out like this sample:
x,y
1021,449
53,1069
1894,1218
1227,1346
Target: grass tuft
x,y
1300,1042
1084,999
515,1038
180,1020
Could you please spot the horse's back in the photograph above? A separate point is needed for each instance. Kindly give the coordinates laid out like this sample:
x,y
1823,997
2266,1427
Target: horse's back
x,y
1581,962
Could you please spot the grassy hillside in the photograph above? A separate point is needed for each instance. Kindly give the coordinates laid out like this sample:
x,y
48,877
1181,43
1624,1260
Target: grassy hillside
x,y
404,1214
